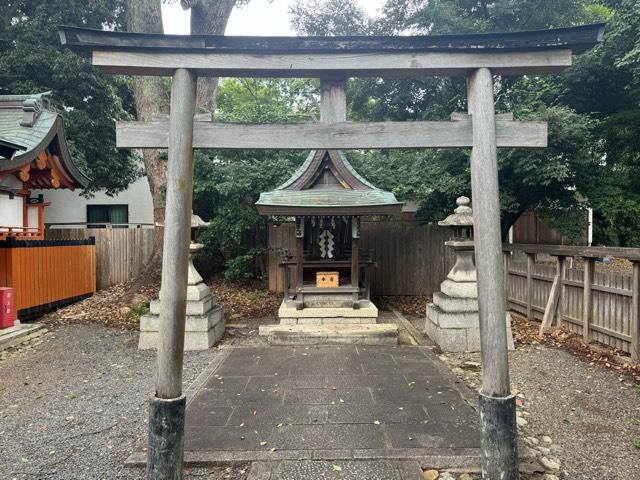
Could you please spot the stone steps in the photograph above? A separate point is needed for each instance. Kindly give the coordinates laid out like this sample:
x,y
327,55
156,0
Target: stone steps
x,y
331,334
290,315
23,332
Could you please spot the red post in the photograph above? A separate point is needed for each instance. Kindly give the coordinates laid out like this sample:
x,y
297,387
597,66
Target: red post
x,y
7,314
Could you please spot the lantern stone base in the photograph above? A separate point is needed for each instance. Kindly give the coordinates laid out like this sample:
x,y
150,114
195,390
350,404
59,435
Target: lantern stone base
x,y
201,331
204,323
453,323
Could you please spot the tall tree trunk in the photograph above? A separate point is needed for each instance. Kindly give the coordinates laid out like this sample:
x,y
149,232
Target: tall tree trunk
x,y
208,17
145,16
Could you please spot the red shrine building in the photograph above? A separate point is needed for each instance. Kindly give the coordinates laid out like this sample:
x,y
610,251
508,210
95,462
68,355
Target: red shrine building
x,y
33,155
37,274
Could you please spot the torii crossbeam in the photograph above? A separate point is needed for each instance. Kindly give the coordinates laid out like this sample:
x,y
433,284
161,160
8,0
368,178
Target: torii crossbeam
x,y
333,59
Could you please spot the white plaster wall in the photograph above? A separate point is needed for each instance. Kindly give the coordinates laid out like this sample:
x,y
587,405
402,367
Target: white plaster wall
x,y
67,206
32,217
10,211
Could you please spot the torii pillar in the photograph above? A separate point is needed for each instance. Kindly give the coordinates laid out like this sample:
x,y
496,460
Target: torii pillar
x,y
497,403
167,408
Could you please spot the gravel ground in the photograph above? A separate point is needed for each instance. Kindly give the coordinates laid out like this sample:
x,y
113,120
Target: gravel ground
x,y
73,405
591,412
589,415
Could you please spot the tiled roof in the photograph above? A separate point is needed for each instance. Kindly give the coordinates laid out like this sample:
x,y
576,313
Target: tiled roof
x,y
28,125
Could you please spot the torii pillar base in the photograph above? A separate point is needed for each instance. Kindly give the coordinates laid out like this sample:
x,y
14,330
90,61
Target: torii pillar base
x,y
166,438
499,440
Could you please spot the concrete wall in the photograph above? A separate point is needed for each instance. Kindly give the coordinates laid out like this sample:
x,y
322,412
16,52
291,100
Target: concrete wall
x,y
67,206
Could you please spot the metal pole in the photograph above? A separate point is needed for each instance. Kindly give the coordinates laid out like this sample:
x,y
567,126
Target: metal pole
x,y
497,404
166,409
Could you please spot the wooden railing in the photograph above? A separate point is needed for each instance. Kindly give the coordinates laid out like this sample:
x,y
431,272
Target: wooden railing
x,y
47,274
21,232
600,305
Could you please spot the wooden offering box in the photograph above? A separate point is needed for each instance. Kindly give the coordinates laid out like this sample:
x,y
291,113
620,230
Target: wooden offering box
x,y
327,279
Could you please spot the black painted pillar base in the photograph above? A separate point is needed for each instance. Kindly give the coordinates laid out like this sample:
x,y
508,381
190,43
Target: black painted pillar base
x,y
166,438
499,442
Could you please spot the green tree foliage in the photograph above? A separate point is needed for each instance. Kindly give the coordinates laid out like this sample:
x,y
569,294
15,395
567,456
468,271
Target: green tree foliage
x,y
605,84
32,60
228,183
592,110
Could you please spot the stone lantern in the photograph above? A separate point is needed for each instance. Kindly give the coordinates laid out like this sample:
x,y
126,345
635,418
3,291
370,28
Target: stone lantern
x,y
461,242
204,324
452,319
197,224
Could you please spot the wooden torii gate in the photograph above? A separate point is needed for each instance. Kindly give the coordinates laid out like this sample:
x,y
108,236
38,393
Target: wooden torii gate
x,y
333,59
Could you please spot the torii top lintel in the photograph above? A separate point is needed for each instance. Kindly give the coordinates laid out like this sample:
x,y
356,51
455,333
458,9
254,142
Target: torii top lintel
x,y
514,53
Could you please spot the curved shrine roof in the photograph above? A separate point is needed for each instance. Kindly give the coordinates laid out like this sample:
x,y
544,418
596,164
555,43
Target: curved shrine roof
x,y
327,184
30,128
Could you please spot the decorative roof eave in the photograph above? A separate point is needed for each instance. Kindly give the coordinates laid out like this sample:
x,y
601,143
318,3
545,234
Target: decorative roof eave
x,y
578,39
305,173
55,133
346,210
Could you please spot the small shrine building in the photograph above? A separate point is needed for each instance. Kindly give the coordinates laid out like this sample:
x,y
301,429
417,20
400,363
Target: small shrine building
x,y
326,278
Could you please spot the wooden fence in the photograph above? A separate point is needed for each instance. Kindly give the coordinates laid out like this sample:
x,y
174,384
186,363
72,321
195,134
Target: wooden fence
x,y
121,253
411,259
612,300
46,274
530,229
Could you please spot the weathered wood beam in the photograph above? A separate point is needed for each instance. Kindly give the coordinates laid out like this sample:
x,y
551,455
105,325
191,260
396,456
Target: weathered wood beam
x,y
635,313
397,64
498,442
309,136
587,298
165,451
175,258
632,254
333,100
553,301
531,263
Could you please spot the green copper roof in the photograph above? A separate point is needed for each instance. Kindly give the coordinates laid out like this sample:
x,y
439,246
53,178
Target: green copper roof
x,y
28,125
327,184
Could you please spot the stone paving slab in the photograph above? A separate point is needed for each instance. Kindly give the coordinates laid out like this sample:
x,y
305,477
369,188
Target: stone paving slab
x,y
336,470
382,403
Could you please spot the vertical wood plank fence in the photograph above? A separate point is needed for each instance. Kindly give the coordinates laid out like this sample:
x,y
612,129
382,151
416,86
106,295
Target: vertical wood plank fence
x,y
602,306
121,253
46,274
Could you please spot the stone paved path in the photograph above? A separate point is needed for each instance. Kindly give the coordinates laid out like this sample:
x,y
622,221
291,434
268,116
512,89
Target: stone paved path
x,y
332,404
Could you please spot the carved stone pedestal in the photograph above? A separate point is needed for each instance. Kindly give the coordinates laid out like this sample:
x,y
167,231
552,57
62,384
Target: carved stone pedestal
x,y
205,318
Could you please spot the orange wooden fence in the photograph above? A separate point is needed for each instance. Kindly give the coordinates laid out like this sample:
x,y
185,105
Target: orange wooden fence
x,y
46,274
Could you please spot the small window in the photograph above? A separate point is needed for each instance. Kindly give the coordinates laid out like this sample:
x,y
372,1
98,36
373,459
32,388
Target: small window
x,y
99,215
